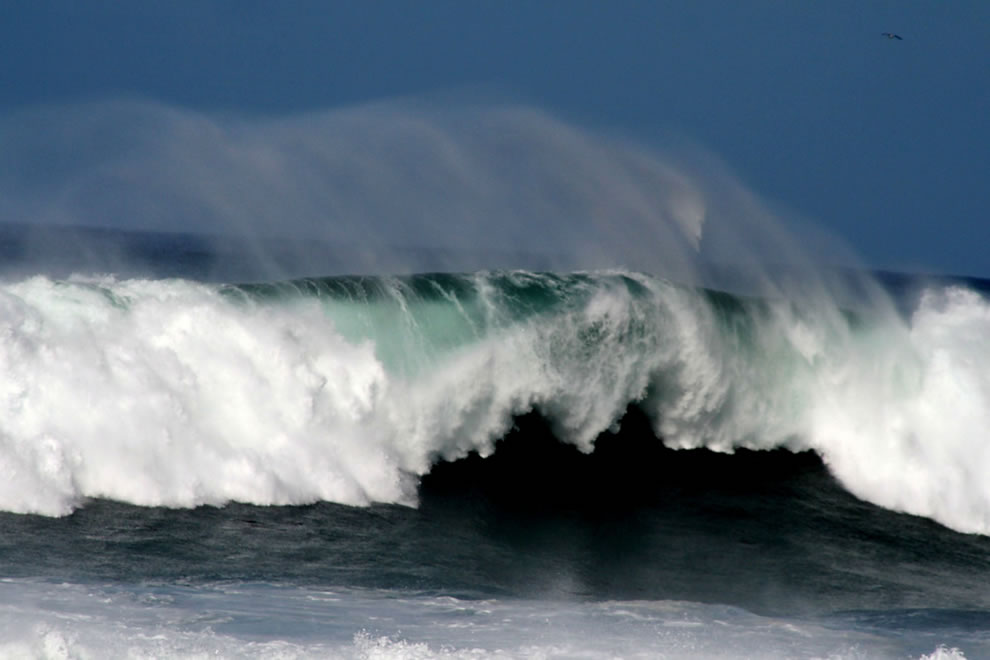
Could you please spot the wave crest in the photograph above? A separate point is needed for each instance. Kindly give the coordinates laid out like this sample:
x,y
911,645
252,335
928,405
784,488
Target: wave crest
x,y
174,393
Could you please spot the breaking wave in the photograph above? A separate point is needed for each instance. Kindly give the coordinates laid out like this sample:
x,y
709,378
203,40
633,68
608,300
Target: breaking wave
x,y
177,393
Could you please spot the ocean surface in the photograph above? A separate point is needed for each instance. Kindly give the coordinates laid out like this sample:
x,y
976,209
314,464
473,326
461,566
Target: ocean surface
x,y
199,459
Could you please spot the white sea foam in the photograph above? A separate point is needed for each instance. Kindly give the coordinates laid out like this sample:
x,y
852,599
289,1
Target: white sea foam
x,y
904,420
165,394
40,620
172,393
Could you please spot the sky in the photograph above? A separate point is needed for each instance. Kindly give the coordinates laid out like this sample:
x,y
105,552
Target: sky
x,y
885,143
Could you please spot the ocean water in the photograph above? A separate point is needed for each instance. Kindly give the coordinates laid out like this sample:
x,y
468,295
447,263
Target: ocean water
x,y
199,461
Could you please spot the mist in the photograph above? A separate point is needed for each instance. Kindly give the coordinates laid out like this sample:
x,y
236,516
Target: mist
x,y
431,183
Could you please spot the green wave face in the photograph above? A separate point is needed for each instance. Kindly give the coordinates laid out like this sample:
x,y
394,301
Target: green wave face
x,y
415,320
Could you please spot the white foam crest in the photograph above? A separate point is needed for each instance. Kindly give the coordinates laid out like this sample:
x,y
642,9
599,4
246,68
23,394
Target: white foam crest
x,y
906,423
900,412
164,393
743,378
944,653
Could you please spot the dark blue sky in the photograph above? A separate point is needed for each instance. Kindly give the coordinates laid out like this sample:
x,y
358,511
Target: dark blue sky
x,y
886,143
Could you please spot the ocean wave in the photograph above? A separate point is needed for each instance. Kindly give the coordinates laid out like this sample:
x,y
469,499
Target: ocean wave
x,y
348,389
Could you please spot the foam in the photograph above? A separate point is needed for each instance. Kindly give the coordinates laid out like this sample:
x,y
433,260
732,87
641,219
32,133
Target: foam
x,y
174,393
82,622
903,422
163,393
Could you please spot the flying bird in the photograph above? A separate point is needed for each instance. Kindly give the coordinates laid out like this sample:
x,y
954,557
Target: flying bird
x,y
891,35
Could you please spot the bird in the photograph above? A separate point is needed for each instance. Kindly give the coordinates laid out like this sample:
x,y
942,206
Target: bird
x,y
891,35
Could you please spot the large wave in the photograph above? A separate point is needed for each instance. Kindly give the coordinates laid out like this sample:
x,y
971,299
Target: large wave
x,y
347,389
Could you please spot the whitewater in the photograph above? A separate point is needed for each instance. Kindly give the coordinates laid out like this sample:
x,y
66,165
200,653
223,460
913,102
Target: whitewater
x,y
177,393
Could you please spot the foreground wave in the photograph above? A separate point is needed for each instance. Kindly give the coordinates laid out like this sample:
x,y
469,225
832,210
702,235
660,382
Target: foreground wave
x,y
348,389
